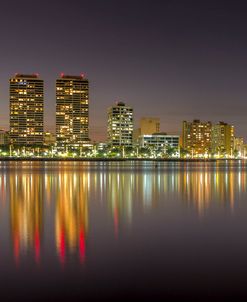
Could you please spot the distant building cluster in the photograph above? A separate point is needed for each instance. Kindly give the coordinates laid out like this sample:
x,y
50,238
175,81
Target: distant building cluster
x,y
27,136
211,140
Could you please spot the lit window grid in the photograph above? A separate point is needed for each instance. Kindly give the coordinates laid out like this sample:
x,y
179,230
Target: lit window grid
x,y
120,126
26,111
72,111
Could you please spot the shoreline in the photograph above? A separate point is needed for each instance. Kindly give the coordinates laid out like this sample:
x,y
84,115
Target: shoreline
x,y
56,159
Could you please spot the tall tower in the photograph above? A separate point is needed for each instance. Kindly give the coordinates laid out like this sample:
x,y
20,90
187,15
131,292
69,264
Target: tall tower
x,y
72,116
26,110
120,125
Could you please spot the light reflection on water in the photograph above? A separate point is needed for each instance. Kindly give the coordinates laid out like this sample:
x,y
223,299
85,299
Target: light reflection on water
x,y
63,190
60,210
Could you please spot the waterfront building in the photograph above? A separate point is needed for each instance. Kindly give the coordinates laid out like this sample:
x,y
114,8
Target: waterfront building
x,y
120,125
196,137
4,137
136,134
101,146
26,110
239,147
149,125
49,138
222,139
72,111
159,140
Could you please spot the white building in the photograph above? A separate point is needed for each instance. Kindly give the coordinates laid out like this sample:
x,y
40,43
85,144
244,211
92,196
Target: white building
x,y
120,125
159,140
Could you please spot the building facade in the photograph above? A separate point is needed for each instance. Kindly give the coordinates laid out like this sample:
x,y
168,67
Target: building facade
x,y
49,138
72,111
239,147
159,140
196,137
120,125
26,110
149,125
223,139
4,137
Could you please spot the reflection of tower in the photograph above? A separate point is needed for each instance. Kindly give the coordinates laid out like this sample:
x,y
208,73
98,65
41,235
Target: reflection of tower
x,y
26,196
3,188
71,218
203,188
120,189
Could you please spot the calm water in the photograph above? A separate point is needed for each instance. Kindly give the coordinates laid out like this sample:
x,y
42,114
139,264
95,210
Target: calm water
x,y
123,230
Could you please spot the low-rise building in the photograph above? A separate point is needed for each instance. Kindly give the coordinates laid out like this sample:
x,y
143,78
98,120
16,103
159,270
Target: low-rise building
x,y
159,140
4,137
49,139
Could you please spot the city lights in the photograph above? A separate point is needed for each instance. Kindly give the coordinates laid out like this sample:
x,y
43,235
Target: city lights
x,y
27,138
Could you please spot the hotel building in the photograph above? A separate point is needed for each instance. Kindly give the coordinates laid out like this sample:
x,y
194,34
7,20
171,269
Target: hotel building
x,y
72,111
159,140
120,125
196,137
223,139
26,110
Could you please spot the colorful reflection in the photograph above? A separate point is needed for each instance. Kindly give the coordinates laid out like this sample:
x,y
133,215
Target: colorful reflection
x,y
26,213
56,199
3,184
71,214
129,193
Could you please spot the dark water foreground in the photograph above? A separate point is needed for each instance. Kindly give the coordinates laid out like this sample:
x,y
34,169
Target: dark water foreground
x,y
123,231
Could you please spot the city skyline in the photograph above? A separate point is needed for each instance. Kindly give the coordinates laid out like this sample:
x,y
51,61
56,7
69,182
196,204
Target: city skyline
x,y
103,136
193,56
123,150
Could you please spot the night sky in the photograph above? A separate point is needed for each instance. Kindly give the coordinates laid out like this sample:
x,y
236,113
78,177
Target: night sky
x,y
175,60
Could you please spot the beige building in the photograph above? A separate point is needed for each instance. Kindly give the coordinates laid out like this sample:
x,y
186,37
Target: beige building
x,y
149,125
223,139
239,146
72,111
4,137
196,137
26,110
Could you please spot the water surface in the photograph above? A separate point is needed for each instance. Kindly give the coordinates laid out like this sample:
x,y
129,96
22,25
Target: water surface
x,y
122,230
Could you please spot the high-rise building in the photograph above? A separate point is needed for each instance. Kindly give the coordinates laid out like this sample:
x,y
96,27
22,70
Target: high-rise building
x,y
72,111
223,138
149,125
120,125
26,110
196,137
